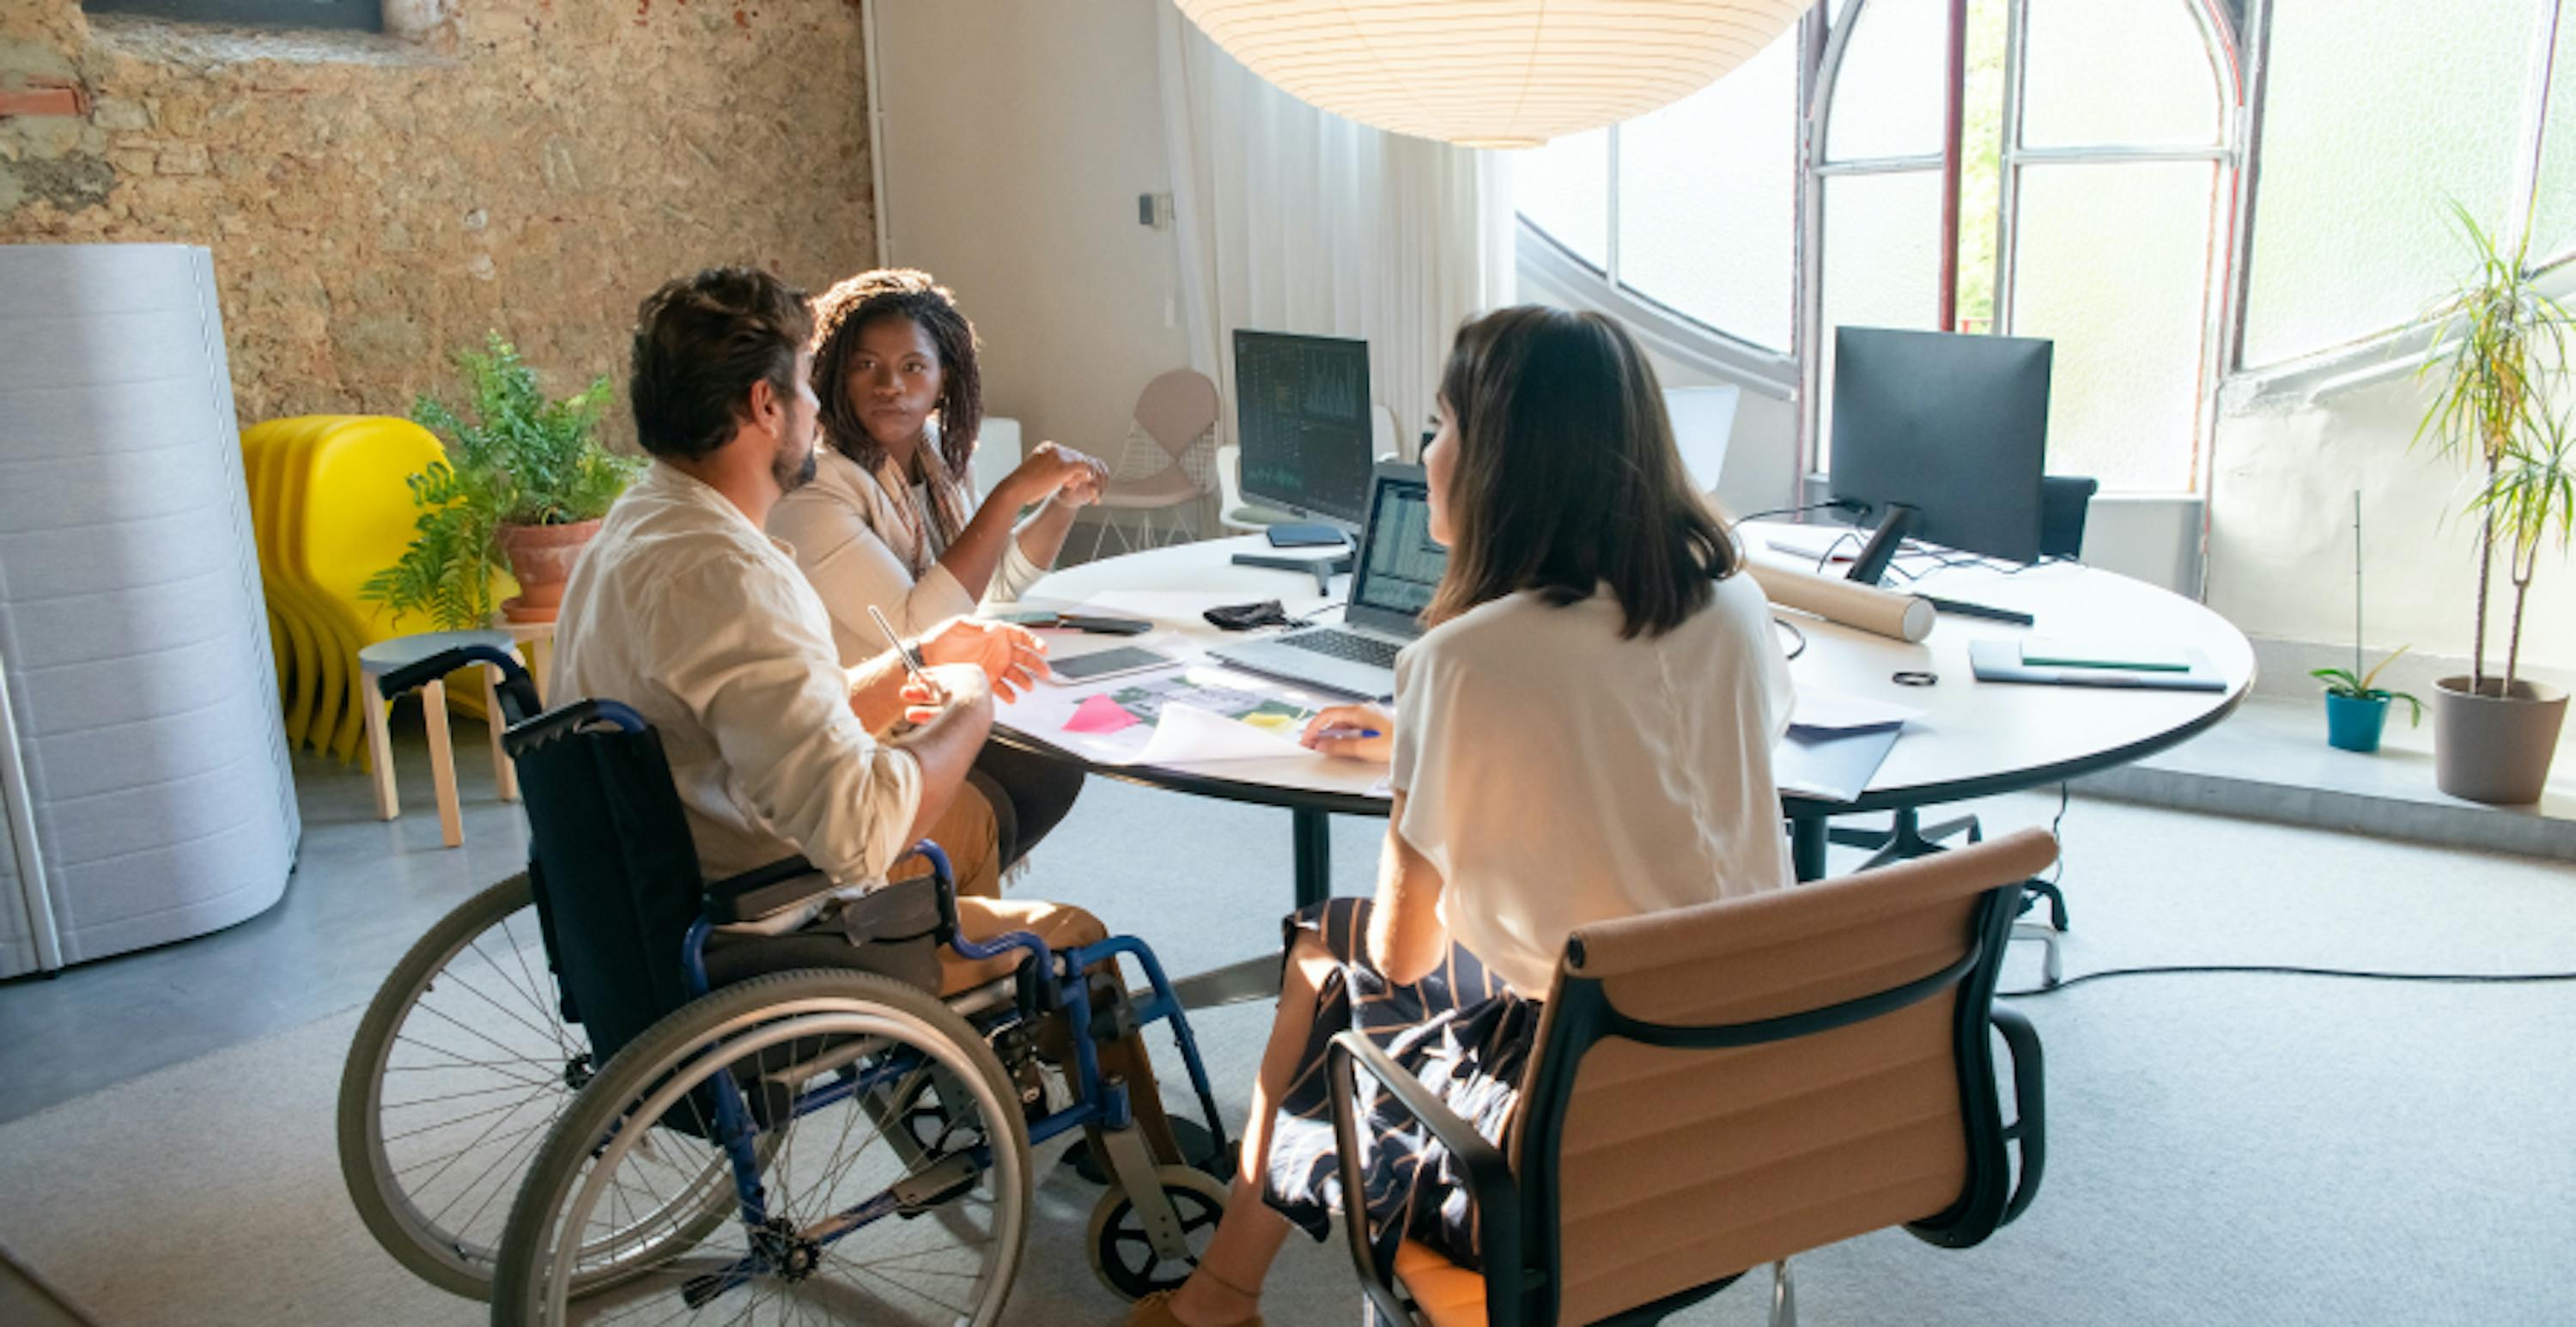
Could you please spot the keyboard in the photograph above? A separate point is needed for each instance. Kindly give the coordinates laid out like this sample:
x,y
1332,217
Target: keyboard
x,y
1344,645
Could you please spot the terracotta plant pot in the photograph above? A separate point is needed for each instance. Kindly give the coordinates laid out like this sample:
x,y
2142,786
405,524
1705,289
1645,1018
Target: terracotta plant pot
x,y
2492,747
541,557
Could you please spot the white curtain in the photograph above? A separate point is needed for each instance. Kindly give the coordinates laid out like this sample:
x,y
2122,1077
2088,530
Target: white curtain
x,y
1291,219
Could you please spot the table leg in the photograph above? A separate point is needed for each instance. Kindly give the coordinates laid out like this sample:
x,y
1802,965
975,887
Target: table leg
x,y
1311,837
1312,834
1807,847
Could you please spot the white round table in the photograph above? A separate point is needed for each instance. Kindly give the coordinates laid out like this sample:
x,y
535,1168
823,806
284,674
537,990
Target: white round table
x,y
1975,739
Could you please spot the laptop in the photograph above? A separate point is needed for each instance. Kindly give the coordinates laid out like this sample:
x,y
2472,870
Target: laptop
x,y
1392,578
1703,423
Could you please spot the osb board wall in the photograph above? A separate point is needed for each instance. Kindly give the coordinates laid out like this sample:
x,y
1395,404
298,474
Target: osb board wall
x,y
530,166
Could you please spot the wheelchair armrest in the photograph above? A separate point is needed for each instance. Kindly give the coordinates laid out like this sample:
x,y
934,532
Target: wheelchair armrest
x,y
763,890
1489,1181
2030,1105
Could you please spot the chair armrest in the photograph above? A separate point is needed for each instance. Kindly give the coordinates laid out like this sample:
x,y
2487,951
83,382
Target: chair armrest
x,y
1489,1181
2030,1105
763,890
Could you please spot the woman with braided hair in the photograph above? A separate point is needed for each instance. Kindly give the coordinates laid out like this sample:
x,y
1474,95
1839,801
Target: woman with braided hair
x,y
890,520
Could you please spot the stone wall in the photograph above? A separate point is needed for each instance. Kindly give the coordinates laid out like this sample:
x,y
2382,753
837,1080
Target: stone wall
x,y
373,203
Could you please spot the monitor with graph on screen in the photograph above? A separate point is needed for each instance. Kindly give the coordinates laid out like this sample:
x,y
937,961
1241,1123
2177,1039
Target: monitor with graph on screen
x,y
1302,416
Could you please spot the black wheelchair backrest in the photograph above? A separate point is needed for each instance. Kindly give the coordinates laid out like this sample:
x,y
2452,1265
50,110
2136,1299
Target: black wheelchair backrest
x,y
614,869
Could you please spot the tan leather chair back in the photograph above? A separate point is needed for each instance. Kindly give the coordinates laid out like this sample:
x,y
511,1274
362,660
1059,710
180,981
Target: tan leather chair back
x,y
1676,1167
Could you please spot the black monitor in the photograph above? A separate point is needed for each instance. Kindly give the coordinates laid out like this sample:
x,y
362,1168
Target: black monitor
x,y
1952,427
1301,408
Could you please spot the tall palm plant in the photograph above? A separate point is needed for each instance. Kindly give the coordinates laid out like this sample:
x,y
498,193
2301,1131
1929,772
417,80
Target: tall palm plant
x,y
2529,497
2497,342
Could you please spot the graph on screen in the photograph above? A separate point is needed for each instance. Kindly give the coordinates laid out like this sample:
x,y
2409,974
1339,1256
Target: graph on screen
x,y
1302,412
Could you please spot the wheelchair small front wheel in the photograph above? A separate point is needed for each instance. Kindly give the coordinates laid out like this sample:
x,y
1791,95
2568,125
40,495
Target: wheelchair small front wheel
x,y
1122,1251
799,1089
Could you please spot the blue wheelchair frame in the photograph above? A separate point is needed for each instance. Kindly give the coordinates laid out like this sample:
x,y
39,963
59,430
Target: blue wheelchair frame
x,y
1100,1103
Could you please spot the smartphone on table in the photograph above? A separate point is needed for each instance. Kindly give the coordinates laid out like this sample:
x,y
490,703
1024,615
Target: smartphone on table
x,y
1108,663
1047,619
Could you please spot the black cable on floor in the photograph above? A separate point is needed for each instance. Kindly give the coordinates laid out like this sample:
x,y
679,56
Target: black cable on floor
x,y
2281,970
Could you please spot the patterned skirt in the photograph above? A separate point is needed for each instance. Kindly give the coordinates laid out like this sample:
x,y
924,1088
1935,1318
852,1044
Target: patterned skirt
x,y
1460,1030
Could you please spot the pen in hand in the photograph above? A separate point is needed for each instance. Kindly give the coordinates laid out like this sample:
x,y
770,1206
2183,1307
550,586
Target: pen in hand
x,y
912,662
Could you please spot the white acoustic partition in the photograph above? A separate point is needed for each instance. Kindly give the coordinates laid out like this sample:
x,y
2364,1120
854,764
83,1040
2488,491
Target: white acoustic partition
x,y
142,759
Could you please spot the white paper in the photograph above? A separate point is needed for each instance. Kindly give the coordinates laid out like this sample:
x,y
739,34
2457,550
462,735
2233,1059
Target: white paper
x,y
1189,735
1827,711
1178,732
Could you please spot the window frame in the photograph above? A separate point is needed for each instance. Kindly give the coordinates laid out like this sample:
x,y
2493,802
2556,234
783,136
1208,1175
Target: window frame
x,y
2388,352
1692,340
2222,281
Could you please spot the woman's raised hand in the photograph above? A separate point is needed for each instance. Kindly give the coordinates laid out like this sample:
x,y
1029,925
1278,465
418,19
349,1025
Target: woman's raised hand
x,y
1353,732
1061,473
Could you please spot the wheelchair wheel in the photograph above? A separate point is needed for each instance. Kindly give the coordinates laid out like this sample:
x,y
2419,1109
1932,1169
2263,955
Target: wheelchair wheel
x,y
461,1064
1123,1255
855,1219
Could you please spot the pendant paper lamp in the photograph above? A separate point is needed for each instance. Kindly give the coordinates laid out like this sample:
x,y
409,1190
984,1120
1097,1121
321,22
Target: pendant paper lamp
x,y
1492,73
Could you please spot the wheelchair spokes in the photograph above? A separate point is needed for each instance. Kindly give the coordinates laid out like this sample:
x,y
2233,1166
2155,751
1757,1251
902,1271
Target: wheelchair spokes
x,y
460,1066
847,1213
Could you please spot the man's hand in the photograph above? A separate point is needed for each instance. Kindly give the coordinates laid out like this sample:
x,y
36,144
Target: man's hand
x,y
961,686
1011,658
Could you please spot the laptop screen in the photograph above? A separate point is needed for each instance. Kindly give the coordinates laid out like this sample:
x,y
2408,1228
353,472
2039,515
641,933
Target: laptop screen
x,y
1400,567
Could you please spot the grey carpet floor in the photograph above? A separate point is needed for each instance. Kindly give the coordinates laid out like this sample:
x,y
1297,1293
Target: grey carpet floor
x,y
2223,1149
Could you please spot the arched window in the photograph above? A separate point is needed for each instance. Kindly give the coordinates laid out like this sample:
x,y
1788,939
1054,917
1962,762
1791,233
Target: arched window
x,y
2376,116
2088,199
1691,209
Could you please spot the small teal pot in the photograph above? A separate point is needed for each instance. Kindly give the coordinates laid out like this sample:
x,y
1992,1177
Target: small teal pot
x,y
2353,723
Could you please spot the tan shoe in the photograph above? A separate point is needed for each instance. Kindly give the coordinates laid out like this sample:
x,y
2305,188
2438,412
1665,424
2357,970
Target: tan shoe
x,y
1155,1310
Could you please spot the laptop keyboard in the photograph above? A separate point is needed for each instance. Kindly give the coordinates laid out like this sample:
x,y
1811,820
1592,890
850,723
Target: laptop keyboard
x,y
1344,645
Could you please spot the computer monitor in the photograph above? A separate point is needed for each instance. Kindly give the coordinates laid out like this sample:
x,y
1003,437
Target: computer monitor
x,y
1952,427
1301,407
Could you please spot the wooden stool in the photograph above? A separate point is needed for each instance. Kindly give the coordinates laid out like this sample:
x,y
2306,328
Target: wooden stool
x,y
384,657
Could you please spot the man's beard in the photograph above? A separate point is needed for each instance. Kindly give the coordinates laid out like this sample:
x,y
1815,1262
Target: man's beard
x,y
792,477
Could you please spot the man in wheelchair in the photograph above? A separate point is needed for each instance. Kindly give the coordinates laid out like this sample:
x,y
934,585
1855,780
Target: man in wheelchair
x,y
686,611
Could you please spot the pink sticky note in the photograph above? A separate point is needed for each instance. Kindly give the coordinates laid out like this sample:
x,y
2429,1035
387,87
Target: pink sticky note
x,y
1099,714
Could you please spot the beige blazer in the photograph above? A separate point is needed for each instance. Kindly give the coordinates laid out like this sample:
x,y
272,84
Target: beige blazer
x,y
852,543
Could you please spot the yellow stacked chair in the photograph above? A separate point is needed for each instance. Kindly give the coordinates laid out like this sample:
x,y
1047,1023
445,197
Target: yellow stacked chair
x,y
331,507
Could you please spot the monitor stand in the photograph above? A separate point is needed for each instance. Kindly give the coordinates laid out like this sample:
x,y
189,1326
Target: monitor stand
x,y
1323,569
1871,565
1883,544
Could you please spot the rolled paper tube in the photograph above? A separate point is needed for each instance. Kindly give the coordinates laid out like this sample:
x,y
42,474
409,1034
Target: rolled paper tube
x,y
1865,607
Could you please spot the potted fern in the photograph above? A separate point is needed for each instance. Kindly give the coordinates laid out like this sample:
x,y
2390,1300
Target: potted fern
x,y
2499,344
523,489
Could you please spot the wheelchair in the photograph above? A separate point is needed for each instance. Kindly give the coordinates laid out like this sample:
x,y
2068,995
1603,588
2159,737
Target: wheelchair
x,y
606,1087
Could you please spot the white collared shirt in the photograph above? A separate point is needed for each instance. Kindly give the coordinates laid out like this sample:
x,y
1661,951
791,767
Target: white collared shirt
x,y
685,611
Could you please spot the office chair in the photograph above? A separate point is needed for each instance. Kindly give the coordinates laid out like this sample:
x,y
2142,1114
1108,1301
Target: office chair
x,y
2064,501
1165,466
1724,1086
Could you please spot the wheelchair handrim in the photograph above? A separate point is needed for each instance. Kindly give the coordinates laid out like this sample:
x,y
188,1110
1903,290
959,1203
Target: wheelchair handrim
x,y
771,1026
462,1257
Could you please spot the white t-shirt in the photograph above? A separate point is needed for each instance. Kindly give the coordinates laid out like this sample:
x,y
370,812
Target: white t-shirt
x,y
1557,775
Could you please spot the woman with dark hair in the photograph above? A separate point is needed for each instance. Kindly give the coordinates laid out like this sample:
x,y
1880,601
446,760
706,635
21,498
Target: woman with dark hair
x,y
890,519
1584,733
